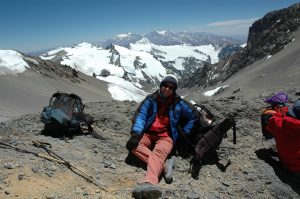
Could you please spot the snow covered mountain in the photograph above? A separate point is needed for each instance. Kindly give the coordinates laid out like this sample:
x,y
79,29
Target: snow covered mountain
x,y
121,40
268,61
168,38
13,62
134,61
143,64
131,69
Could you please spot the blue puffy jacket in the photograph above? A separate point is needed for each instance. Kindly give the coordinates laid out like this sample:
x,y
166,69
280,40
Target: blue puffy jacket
x,y
181,114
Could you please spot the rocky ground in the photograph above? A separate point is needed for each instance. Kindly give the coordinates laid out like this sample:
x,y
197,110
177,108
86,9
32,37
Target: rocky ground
x,y
254,171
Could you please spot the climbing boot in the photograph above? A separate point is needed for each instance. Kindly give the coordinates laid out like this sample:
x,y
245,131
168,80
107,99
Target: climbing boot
x,y
169,169
147,191
152,192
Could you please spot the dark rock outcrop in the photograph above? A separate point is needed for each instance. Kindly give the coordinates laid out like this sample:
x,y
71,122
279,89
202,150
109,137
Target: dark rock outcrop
x,y
267,36
50,68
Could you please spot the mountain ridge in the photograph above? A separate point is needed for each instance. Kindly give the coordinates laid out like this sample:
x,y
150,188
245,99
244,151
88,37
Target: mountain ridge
x,y
267,36
171,38
143,63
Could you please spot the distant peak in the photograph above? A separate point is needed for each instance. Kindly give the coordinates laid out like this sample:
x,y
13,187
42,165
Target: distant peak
x,y
162,32
84,44
9,53
12,62
143,41
124,35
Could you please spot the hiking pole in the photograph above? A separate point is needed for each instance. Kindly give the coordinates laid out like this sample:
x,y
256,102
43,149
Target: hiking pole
x,y
18,149
59,159
53,159
30,152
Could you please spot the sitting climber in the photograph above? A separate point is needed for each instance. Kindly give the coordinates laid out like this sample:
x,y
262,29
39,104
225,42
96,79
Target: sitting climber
x,y
154,133
283,123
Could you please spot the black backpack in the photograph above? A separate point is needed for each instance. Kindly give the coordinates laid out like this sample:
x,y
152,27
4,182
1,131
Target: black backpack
x,y
64,116
206,124
204,138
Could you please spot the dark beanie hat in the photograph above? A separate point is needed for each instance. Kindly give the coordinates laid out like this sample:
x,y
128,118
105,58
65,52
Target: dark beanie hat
x,y
169,78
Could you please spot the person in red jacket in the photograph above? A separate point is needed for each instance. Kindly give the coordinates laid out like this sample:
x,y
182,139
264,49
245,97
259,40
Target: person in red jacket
x,y
284,126
154,133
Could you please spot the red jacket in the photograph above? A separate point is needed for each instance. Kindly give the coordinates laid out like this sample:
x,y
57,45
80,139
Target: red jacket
x,y
161,124
286,131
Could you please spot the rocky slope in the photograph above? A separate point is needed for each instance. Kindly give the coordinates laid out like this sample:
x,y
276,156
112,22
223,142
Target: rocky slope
x,y
29,91
253,173
267,36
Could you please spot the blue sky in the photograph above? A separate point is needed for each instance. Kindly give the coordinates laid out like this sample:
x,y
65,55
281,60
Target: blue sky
x,y
31,25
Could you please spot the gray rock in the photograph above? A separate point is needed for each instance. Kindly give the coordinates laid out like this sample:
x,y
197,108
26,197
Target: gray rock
x,y
49,173
193,195
226,183
35,169
9,165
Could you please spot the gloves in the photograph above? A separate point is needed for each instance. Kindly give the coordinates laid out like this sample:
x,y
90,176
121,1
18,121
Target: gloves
x,y
133,141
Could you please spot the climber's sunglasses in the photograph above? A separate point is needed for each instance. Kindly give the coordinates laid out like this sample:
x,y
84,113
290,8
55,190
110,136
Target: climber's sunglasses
x,y
168,86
